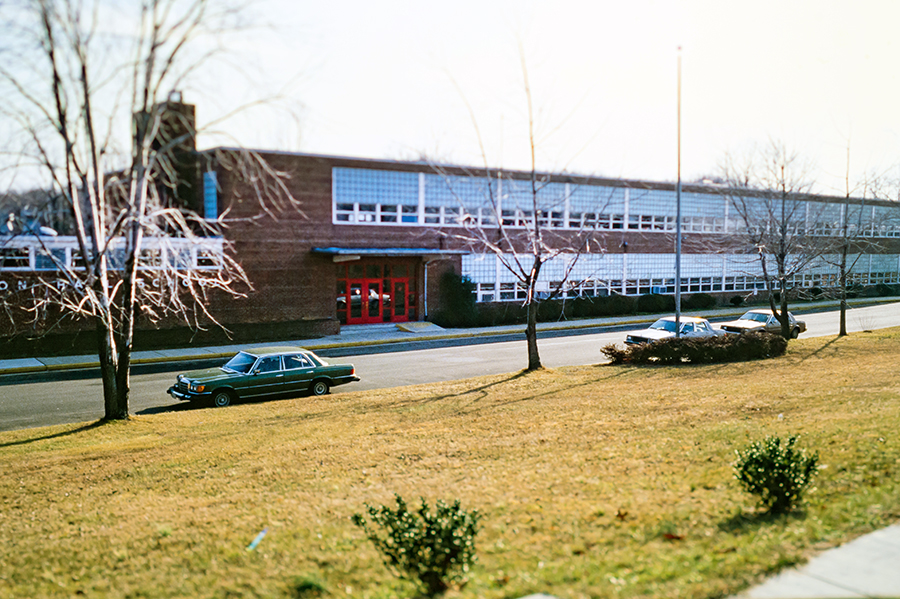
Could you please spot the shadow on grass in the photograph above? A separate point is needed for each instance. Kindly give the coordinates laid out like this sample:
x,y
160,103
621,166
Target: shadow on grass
x,y
480,392
817,352
178,407
476,394
74,431
742,522
188,406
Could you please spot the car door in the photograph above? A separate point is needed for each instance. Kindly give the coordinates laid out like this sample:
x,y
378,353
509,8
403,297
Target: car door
x,y
703,330
298,373
267,377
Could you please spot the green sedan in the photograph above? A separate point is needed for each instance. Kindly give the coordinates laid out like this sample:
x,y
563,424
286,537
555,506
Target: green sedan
x,y
262,372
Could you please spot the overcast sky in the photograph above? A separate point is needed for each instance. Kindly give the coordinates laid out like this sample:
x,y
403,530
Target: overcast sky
x,y
394,79
397,79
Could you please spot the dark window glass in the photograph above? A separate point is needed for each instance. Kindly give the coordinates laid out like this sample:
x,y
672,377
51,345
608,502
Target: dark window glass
x,y
270,364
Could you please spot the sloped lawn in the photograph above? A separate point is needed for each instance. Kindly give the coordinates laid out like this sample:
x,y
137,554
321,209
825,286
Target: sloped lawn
x,y
599,481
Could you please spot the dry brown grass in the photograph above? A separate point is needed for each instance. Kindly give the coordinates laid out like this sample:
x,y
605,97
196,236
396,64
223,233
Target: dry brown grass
x,y
594,481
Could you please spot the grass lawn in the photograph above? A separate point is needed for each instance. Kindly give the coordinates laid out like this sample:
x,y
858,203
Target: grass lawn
x,y
593,481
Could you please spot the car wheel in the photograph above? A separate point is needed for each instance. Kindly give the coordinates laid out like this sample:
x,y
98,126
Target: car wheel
x,y
319,387
795,333
222,398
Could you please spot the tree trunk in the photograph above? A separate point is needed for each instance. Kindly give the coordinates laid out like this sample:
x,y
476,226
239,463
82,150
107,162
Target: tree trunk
x,y
534,358
106,351
843,330
784,318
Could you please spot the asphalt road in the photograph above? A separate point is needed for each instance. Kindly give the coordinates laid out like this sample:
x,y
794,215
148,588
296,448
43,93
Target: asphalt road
x,y
46,399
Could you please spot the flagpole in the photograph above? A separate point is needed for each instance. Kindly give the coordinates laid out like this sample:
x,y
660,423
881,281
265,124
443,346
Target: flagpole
x,y
678,215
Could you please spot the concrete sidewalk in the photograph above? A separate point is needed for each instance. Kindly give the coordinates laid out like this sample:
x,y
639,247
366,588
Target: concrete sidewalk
x,y
866,567
383,334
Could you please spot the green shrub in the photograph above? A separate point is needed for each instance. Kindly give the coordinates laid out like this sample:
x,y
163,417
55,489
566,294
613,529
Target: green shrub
x,y
585,306
700,301
617,305
554,310
431,548
654,303
775,471
882,290
457,302
753,345
308,587
491,314
736,300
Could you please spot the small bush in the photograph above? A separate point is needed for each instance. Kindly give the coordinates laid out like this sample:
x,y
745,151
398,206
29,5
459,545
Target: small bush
x,y
776,472
457,302
584,306
882,290
736,300
616,305
753,345
308,587
654,303
616,354
491,314
700,301
431,548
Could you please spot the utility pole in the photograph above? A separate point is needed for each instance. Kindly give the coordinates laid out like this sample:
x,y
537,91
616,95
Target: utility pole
x,y
678,215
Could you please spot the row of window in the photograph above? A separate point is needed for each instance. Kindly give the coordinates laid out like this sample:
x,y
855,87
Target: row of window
x,y
400,214
374,197
489,292
29,255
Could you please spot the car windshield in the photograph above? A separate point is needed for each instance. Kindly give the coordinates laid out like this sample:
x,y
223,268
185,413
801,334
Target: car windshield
x,y
663,324
240,363
755,316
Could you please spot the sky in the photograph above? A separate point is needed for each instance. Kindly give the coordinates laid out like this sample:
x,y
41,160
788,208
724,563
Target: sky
x,y
397,79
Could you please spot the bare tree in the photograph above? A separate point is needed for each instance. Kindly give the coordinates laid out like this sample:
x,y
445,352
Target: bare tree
x,y
850,238
74,78
518,224
859,224
769,192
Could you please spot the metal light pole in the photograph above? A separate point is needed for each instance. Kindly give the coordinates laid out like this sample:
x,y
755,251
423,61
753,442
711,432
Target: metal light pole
x,y
678,215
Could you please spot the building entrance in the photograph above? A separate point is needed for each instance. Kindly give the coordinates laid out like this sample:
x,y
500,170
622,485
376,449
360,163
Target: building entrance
x,y
370,292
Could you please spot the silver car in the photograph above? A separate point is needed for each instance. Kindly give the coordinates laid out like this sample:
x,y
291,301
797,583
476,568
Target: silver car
x,y
762,320
665,327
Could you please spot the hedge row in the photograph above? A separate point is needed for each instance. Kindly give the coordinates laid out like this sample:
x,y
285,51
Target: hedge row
x,y
700,350
459,309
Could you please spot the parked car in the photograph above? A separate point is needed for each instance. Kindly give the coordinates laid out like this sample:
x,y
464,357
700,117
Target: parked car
x,y
665,327
763,319
262,372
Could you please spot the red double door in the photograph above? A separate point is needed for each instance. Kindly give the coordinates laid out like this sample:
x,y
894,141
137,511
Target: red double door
x,y
377,300
370,292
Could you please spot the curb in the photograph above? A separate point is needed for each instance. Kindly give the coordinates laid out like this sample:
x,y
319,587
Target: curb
x,y
562,326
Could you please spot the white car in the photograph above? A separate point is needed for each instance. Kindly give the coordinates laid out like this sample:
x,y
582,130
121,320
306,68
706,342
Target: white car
x,y
762,320
665,327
